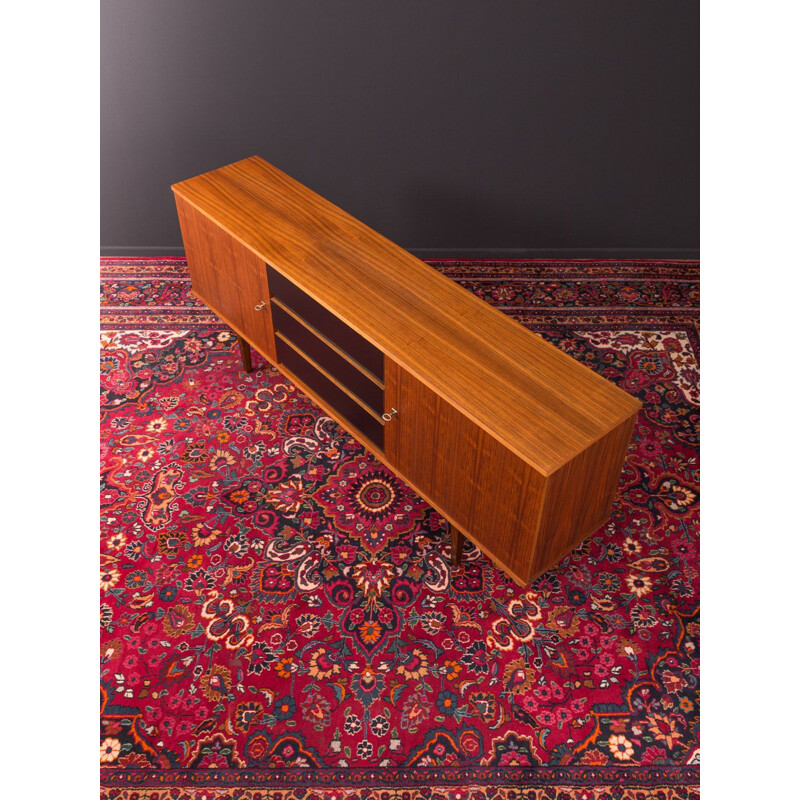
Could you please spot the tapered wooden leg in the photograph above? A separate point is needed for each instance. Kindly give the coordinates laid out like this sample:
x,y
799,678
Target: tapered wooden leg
x,y
244,348
456,545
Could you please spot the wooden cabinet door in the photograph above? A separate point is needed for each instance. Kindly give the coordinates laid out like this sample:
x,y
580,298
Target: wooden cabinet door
x,y
231,279
483,488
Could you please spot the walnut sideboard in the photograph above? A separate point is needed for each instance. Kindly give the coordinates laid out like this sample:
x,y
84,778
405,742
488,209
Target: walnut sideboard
x,y
516,444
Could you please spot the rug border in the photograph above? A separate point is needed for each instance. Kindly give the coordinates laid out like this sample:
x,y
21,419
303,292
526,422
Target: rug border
x,y
646,776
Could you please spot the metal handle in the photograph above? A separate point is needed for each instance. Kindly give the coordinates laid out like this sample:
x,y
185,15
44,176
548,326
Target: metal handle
x,y
388,417
262,304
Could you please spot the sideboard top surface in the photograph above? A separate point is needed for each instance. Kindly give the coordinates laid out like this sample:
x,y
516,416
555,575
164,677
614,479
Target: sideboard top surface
x,y
542,404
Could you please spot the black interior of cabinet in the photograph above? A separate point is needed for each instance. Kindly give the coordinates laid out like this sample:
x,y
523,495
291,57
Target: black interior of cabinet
x,y
329,392
339,367
318,317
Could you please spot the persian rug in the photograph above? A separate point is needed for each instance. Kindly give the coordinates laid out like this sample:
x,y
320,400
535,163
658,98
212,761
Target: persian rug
x,y
278,615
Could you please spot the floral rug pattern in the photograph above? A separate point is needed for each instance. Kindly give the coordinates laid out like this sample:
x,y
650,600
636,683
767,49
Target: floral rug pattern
x,y
278,612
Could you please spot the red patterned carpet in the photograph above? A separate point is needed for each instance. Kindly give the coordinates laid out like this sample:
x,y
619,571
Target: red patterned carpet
x,y
279,618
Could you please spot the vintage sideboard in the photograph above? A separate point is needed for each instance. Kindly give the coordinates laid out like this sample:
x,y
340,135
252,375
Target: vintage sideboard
x,y
515,443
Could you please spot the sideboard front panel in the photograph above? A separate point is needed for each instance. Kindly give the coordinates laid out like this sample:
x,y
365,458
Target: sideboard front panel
x,y
482,487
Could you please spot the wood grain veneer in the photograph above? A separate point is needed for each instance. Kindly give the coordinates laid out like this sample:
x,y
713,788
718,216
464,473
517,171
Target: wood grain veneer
x,y
543,405
516,443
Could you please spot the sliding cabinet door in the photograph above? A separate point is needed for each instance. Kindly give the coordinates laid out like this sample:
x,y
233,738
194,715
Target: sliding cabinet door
x,y
482,487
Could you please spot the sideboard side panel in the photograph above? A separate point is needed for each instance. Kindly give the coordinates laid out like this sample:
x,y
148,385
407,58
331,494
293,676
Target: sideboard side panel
x,y
580,494
482,487
202,274
231,279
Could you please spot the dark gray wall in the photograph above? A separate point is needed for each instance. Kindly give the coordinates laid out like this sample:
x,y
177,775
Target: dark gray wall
x,y
543,126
